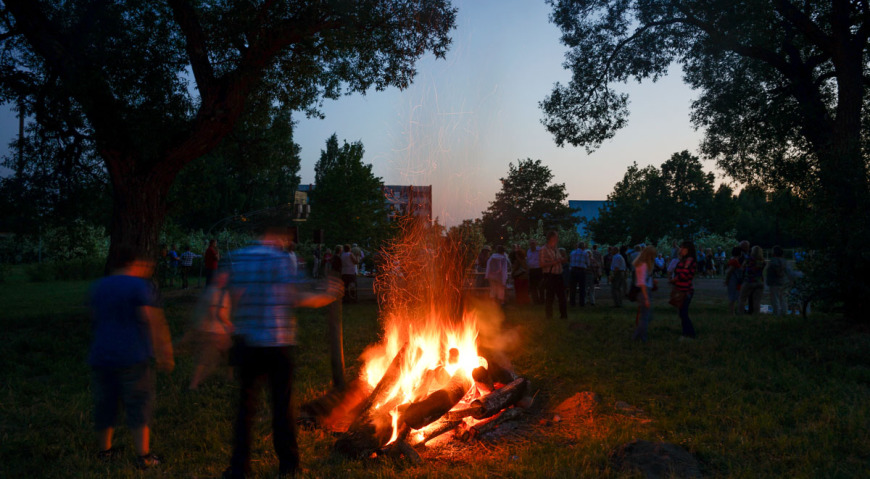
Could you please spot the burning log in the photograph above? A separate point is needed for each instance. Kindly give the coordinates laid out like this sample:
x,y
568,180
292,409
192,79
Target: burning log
x,y
498,365
442,426
371,430
500,399
482,379
422,413
401,448
493,402
490,423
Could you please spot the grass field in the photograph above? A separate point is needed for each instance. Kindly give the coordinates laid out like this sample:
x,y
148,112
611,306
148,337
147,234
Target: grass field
x,y
751,397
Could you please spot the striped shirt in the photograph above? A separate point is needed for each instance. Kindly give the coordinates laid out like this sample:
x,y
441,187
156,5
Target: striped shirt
x,y
261,286
684,274
550,255
187,258
579,258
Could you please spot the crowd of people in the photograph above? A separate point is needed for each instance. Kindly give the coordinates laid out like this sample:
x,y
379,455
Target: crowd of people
x,y
548,274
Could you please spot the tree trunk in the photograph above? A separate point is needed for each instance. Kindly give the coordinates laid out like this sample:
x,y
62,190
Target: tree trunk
x,y
139,205
845,189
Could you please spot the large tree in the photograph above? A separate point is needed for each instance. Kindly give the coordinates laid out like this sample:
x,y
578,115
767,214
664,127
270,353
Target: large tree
x,y
255,167
636,209
348,199
527,196
160,84
783,96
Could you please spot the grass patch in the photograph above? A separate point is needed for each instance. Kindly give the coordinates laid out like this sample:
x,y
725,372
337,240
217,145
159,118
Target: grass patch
x,y
752,397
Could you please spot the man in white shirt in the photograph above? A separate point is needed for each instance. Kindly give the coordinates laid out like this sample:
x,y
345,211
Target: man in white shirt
x,y
617,276
497,273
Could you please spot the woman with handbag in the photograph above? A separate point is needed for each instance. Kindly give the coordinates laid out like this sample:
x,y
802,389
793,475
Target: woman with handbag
x,y
643,273
683,287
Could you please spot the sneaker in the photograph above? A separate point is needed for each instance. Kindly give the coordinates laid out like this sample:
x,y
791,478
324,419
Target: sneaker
x,y
147,461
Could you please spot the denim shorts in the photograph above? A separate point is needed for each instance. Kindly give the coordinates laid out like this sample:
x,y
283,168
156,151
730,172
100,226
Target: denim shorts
x,y
133,386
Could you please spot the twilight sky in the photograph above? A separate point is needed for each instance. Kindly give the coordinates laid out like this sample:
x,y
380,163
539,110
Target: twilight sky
x,y
465,118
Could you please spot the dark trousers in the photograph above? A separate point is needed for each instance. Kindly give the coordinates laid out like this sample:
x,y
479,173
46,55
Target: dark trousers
x,y
275,364
185,272
578,280
535,277
688,328
617,287
209,276
555,289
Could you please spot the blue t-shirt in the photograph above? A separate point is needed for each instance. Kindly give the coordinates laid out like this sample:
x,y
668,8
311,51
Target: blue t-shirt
x,y
121,336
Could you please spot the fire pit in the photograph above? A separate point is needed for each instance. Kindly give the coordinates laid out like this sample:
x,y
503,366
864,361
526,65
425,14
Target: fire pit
x,y
428,376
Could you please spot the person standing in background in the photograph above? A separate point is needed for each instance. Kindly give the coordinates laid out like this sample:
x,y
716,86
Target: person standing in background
x,y
683,281
497,268
753,282
520,272
578,262
174,260
294,260
551,264
533,257
733,278
643,267
617,276
186,264
210,262
776,274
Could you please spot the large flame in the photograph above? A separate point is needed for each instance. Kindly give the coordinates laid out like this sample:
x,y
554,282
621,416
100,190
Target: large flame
x,y
419,289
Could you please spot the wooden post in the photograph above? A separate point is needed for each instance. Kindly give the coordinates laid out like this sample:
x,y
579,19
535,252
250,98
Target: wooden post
x,y
336,344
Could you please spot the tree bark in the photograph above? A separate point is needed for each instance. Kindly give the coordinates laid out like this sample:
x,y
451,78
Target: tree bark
x,y
139,206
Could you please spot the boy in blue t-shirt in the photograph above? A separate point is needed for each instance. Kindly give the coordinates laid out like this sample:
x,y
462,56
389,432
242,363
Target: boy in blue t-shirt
x,y
129,329
174,260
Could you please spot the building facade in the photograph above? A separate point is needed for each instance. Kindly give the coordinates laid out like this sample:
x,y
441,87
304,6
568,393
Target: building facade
x,y
584,211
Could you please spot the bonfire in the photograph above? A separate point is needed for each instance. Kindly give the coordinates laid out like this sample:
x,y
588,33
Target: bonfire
x,y
428,375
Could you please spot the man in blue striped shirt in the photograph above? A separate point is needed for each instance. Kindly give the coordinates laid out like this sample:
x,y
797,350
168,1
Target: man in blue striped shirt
x,y
263,293
579,261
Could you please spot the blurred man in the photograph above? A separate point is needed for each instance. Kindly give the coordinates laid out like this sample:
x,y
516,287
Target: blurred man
x,y
263,295
129,329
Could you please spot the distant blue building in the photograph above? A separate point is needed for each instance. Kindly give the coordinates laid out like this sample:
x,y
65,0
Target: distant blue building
x,y
585,210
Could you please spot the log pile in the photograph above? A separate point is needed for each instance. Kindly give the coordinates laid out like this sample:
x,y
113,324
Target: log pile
x,y
469,408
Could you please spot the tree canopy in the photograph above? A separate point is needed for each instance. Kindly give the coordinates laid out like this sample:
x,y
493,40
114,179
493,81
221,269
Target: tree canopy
x,y
255,167
782,95
527,195
348,199
156,85
677,201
